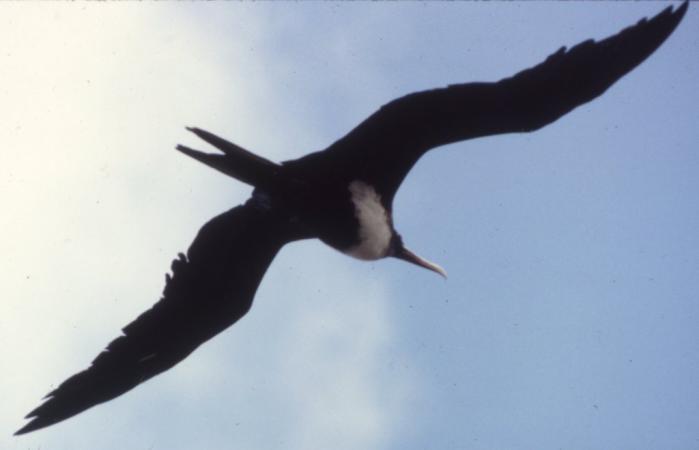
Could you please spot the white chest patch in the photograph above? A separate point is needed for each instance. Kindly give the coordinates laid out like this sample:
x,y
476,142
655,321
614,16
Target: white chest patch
x,y
374,230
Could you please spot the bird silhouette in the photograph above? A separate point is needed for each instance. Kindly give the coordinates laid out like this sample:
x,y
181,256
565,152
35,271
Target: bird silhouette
x,y
342,195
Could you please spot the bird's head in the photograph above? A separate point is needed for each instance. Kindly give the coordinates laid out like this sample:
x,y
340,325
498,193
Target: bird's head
x,y
398,250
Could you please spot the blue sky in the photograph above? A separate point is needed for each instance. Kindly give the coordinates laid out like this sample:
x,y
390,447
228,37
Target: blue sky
x,y
569,317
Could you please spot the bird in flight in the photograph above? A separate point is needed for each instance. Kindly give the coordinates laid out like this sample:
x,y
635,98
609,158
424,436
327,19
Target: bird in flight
x,y
342,195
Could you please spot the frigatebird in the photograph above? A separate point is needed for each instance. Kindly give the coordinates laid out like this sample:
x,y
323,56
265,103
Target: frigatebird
x,y
342,195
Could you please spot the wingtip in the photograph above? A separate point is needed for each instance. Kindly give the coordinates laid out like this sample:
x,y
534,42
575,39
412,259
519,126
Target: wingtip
x,y
672,16
677,12
668,19
36,423
673,9
21,431
29,427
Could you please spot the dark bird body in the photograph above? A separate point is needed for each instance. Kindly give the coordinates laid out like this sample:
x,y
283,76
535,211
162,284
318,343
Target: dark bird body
x,y
342,195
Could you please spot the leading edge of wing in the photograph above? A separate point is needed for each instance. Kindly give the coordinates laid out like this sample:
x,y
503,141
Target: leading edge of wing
x,y
210,289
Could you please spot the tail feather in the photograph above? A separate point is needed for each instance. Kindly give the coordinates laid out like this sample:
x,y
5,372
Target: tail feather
x,y
236,162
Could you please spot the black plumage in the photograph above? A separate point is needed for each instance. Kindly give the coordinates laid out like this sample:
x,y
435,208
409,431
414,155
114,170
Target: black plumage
x,y
320,196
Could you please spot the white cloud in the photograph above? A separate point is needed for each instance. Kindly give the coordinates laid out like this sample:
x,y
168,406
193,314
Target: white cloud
x,y
341,338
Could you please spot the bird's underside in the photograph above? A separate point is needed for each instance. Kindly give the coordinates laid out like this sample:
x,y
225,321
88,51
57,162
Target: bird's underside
x,y
213,285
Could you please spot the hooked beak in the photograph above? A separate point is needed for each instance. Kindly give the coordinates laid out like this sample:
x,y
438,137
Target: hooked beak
x,y
411,257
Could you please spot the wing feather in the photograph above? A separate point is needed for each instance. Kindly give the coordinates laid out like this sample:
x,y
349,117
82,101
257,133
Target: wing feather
x,y
210,289
384,147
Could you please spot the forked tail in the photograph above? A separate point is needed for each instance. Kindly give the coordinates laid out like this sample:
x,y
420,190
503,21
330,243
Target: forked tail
x,y
236,162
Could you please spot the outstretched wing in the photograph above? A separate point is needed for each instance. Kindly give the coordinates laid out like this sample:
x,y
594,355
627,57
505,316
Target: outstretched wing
x,y
384,147
210,289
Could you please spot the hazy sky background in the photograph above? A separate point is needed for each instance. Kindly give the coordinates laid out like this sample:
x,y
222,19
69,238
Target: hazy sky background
x,y
569,319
